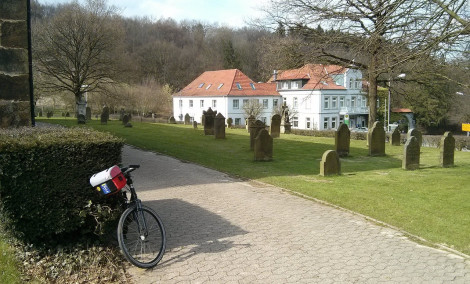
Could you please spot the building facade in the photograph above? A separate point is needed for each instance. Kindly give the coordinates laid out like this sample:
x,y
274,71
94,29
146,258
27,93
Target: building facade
x,y
318,96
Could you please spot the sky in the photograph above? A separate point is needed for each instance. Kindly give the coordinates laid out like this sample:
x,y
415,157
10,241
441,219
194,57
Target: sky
x,y
233,13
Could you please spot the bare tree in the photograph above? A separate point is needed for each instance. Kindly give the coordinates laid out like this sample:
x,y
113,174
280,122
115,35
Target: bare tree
x,y
376,36
253,107
76,49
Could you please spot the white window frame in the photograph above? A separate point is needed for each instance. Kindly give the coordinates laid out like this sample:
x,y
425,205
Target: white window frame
x,y
265,103
308,124
326,123
333,123
201,103
275,103
326,103
295,122
235,104
181,103
190,103
295,103
341,102
214,103
238,121
334,102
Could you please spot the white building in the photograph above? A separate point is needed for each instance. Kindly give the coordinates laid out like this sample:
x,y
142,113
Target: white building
x,y
225,91
318,96
323,96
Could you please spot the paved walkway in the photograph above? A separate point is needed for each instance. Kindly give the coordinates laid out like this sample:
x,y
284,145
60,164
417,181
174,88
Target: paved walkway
x,y
223,230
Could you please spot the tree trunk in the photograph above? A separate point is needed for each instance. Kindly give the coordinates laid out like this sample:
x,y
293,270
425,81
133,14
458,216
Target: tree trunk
x,y
372,91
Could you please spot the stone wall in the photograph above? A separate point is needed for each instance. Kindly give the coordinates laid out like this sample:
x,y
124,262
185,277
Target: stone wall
x,y
14,73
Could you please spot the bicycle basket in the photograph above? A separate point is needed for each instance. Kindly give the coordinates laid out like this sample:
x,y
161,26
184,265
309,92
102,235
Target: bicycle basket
x,y
108,181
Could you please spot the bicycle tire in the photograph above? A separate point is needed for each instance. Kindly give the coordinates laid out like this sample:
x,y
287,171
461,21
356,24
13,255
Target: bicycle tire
x,y
141,251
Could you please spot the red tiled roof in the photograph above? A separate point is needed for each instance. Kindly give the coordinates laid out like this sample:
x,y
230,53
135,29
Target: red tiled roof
x,y
404,110
318,76
207,84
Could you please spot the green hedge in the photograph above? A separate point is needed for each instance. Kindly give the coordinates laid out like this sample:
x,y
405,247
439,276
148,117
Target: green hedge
x,y
44,181
328,133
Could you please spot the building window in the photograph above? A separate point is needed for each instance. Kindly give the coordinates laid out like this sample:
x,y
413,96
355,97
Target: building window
x,y
358,84
341,101
275,102
295,104
208,86
326,121
285,85
333,122
265,103
353,101
238,121
239,86
351,81
263,119
235,104
326,103
220,86
253,86
181,103
214,103
200,85
190,103
284,100
308,123
295,121
334,104
364,102
295,85
201,103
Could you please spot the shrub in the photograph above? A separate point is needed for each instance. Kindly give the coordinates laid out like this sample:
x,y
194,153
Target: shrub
x,y
44,181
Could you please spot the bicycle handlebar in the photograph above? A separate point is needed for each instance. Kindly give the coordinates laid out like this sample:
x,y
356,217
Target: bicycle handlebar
x,y
130,168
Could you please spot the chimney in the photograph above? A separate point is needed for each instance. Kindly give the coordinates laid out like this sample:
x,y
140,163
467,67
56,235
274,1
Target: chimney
x,y
275,75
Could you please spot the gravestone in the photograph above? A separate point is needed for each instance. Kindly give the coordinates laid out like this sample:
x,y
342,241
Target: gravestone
x,y
395,138
195,124
229,122
81,119
447,150
219,126
342,140
376,139
255,128
125,119
121,114
416,133
209,117
172,120
411,154
88,113
250,120
105,115
263,146
187,119
330,164
276,126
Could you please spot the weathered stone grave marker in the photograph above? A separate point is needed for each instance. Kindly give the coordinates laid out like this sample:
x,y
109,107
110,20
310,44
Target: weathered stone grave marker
x,y
249,121
263,146
416,133
411,154
395,138
219,126
342,140
255,128
125,119
330,164
195,124
187,119
209,117
275,126
447,150
376,139
105,115
172,120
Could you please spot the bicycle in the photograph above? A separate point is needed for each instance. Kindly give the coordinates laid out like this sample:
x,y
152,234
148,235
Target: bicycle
x,y
140,231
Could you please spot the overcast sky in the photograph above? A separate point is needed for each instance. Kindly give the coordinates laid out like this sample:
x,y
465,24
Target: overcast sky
x,y
232,13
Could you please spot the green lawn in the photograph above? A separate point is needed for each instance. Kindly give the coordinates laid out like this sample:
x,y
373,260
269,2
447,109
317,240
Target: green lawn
x,y
432,202
9,272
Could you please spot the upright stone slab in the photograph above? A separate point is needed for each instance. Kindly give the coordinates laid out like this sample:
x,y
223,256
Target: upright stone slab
x,y
195,124
342,140
376,139
88,113
263,146
416,133
219,126
209,117
330,164
447,150
395,138
249,121
276,126
172,120
255,128
187,119
104,115
411,154
125,119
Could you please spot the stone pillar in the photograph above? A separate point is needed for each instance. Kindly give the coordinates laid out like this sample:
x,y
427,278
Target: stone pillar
x,y
15,108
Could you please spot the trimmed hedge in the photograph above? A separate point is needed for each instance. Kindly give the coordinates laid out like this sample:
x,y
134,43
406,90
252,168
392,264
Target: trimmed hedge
x,y
44,181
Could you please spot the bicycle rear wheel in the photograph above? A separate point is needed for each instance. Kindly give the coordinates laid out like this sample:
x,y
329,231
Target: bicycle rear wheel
x,y
142,239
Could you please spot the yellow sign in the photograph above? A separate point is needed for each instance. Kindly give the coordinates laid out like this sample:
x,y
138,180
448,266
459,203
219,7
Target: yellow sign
x,y
465,127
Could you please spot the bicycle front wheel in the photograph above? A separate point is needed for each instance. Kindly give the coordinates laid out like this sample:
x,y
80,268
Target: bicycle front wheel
x,y
141,236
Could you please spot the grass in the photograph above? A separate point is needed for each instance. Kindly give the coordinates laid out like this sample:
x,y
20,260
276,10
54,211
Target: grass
x,y
9,272
432,202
